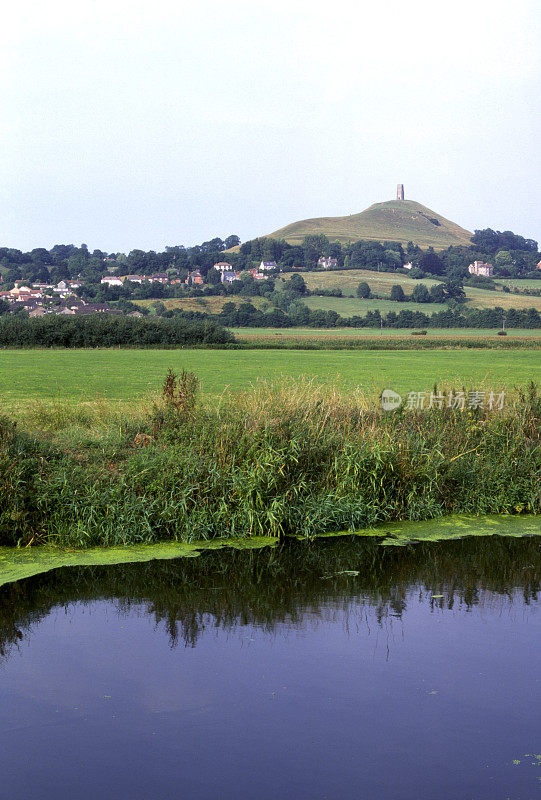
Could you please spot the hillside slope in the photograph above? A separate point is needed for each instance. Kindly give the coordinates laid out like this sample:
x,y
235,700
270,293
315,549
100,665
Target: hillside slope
x,y
395,220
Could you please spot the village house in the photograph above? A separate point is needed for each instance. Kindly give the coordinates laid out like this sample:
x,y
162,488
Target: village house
x,y
409,265
134,278
228,276
267,266
21,293
159,277
223,266
481,268
194,277
539,265
256,275
112,280
327,263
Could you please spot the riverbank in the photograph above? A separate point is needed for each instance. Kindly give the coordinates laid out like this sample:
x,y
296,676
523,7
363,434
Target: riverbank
x,y
292,459
20,563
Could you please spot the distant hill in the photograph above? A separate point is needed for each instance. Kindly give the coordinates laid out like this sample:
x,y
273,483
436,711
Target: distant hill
x,y
395,220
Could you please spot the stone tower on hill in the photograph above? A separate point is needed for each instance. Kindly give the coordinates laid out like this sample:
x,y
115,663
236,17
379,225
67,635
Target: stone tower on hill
x,y
400,191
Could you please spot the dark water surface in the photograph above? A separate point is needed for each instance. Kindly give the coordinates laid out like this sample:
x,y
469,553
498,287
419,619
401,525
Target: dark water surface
x,y
276,674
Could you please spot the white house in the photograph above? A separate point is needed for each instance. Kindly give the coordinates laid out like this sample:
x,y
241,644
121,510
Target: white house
x,y
267,266
327,263
111,280
223,266
481,268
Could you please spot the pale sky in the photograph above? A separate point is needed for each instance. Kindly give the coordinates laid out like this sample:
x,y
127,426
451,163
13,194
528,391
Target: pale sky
x,y
139,125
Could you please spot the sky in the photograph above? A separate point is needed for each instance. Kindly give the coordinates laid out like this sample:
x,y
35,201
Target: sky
x,y
140,125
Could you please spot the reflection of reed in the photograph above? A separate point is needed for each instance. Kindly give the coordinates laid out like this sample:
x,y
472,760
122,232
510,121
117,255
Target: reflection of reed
x,y
296,585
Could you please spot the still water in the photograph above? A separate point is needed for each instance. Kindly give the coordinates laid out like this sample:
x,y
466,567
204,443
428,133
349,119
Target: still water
x,y
340,669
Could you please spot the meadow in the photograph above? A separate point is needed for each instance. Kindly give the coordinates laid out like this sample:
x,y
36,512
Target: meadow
x,y
350,306
478,335
382,282
82,376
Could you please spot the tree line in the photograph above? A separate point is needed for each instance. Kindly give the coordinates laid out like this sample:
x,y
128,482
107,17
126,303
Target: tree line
x,y
511,254
104,330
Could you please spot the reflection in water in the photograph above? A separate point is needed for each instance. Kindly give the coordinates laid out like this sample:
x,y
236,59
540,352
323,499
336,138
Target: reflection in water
x,y
334,670
285,584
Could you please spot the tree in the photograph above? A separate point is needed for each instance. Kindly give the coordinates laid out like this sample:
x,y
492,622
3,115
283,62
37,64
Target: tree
x,y
437,293
296,284
503,258
232,241
397,293
213,276
431,262
363,290
420,294
455,291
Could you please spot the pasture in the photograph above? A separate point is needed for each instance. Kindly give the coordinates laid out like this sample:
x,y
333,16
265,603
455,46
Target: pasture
x,y
324,334
351,306
382,282
81,376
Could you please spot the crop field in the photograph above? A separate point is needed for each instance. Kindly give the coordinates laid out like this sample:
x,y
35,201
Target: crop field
x,y
86,376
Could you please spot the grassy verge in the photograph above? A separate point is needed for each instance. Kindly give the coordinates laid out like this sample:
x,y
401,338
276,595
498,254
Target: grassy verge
x,y
293,458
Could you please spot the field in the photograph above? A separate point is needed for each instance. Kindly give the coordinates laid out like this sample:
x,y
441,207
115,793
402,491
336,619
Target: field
x,y
326,334
350,306
82,376
381,283
522,283
206,305
348,279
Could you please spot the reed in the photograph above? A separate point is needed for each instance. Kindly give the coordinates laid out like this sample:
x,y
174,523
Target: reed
x,y
278,459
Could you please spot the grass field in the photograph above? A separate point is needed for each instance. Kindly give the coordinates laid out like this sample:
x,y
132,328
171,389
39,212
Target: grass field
x,y
206,305
127,375
522,283
350,306
348,279
321,334
381,283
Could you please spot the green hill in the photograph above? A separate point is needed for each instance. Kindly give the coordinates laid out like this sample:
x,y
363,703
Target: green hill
x,y
395,220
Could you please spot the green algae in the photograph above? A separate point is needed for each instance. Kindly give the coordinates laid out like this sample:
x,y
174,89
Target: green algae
x,y
19,563
454,526
16,564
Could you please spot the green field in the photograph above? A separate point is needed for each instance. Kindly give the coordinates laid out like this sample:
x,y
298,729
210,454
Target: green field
x,y
381,282
207,305
521,283
395,220
90,375
318,334
350,306
348,279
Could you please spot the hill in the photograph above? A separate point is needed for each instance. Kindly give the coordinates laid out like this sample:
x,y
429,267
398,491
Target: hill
x,y
395,220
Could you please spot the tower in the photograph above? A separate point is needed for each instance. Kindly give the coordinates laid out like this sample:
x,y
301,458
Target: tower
x,y
400,191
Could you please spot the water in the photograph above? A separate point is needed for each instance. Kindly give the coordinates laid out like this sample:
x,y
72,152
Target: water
x,y
278,674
